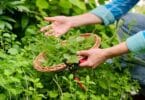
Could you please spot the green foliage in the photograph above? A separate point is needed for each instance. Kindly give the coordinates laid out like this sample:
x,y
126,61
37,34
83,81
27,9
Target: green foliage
x,y
57,50
12,5
20,43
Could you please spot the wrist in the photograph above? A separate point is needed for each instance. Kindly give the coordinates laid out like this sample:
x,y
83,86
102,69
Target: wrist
x,y
70,22
74,21
84,19
116,50
108,53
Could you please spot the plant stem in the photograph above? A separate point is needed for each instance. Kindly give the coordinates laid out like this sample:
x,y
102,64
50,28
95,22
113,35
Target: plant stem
x,y
59,88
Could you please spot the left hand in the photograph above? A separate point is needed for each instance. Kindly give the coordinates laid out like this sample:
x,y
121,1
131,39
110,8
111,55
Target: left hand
x,y
59,25
94,57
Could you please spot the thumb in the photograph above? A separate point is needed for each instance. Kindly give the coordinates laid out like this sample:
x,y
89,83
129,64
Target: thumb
x,y
87,64
83,53
50,19
83,64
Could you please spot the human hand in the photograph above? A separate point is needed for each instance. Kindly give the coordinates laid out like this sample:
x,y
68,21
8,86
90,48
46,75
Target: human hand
x,y
59,25
98,56
94,57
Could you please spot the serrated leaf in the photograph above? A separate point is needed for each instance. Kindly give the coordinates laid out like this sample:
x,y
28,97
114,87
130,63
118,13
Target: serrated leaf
x,y
13,51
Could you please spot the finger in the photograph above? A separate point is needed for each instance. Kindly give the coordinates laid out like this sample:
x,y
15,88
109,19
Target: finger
x,y
83,53
55,34
50,32
43,29
50,19
84,64
58,34
49,35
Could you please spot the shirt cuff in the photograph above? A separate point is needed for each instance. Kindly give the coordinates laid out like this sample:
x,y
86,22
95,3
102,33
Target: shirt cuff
x,y
136,43
104,14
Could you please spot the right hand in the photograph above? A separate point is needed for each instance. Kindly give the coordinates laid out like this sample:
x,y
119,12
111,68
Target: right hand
x,y
59,25
94,57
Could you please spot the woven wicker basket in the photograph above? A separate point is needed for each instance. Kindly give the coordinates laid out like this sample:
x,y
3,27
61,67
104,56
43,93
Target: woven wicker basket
x,y
37,63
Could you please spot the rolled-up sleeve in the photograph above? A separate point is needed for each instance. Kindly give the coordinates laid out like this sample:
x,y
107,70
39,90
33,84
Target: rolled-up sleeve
x,y
114,10
136,43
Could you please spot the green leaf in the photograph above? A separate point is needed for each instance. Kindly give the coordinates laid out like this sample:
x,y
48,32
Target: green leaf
x,y
8,25
3,96
22,8
103,84
53,94
15,91
8,72
2,55
39,85
66,56
71,76
42,4
6,35
17,2
87,79
13,51
73,59
80,39
2,24
7,18
1,11
65,4
66,96
24,22
79,4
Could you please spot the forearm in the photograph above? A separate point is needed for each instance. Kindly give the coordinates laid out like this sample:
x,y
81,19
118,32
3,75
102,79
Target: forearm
x,y
85,19
117,50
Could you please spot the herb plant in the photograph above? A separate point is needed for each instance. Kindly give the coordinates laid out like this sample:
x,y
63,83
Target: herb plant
x,y
57,50
20,43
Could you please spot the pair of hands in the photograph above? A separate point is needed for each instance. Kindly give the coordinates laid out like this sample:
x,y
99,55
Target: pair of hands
x,y
59,26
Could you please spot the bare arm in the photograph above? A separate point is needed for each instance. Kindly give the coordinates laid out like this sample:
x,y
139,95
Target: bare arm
x,y
61,24
117,50
84,19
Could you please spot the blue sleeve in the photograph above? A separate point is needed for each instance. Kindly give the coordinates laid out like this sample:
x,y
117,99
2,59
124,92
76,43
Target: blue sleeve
x,y
114,10
136,43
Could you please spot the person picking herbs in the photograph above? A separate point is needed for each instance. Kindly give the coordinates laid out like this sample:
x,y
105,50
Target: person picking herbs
x,y
108,14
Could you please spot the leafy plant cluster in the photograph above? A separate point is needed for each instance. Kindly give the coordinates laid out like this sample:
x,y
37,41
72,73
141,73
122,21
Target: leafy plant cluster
x,y
20,43
57,50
